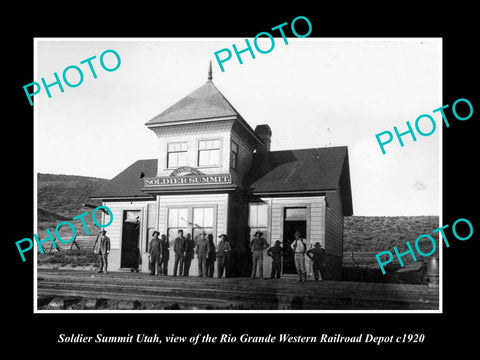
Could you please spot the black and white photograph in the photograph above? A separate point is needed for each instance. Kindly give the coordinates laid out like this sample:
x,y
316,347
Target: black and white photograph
x,y
224,181
227,186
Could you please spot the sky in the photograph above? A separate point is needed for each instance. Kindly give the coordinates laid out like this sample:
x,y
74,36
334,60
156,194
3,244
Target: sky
x,y
313,92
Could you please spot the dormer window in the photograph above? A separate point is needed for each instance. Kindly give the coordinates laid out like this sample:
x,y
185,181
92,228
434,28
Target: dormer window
x,y
209,153
176,154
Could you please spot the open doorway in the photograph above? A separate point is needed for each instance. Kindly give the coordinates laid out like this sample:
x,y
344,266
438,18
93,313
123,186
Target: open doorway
x,y
295,219
130,256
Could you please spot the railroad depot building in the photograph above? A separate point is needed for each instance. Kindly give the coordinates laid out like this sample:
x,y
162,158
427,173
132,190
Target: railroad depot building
x,y
216,174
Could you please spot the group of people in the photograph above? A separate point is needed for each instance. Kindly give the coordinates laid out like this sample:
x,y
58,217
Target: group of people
x,y
316,254
184,249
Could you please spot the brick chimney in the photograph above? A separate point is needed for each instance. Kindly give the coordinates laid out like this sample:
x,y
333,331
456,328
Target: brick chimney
x,y
265,134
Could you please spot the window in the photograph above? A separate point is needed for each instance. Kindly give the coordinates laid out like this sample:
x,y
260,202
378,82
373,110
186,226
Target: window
x,y
258,215
234,156
296,214
176,154
192,220
203,219
258,219
208,152
177,220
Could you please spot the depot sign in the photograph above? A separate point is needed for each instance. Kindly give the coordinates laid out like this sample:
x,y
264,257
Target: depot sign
x,y
188,180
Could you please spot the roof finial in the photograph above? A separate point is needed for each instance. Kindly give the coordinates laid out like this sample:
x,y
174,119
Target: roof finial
x,y
210,71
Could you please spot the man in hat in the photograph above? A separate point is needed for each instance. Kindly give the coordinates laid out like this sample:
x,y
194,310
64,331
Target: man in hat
x,y
189,251
299,248
223,255
101,248
257,245
210,256
155,252
317,255
202,250
276,253
179,247
165,254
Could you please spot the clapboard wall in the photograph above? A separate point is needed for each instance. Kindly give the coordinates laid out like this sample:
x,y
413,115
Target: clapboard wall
x,y
334,235
315,218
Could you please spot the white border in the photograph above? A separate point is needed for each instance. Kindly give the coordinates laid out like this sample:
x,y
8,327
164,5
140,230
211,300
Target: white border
x,y
440,288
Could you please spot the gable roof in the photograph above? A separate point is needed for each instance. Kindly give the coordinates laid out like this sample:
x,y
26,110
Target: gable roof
x,y
300,171
203,103
128,183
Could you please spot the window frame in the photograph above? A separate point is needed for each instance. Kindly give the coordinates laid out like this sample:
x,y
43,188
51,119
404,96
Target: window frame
x,y
170,227
169,166
234,162
190,226
219,164
257,206
265,228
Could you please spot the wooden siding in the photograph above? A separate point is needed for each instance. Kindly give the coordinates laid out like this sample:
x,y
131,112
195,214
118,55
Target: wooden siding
x,y
334,225
334,236
245,157
152,215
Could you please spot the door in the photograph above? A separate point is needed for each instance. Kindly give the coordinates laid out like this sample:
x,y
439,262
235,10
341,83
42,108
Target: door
x,y
289,229
130,255
295,219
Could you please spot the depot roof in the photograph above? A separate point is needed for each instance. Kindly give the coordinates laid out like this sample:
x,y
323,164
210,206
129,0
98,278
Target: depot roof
x,y
128,183
302,171
206,102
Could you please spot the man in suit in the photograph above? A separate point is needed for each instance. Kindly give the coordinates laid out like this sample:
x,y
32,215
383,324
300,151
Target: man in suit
x,y
101,248
179,248
202,250
223,254
164,246
189,251
155,252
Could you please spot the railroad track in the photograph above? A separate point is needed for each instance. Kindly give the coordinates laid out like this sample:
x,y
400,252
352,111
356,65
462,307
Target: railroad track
x,y
233,293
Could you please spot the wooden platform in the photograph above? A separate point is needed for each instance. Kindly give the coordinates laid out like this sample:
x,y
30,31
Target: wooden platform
x,y
79,290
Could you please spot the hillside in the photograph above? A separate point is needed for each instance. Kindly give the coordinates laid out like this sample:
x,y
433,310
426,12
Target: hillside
x,y
62,197
377,233
365,236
